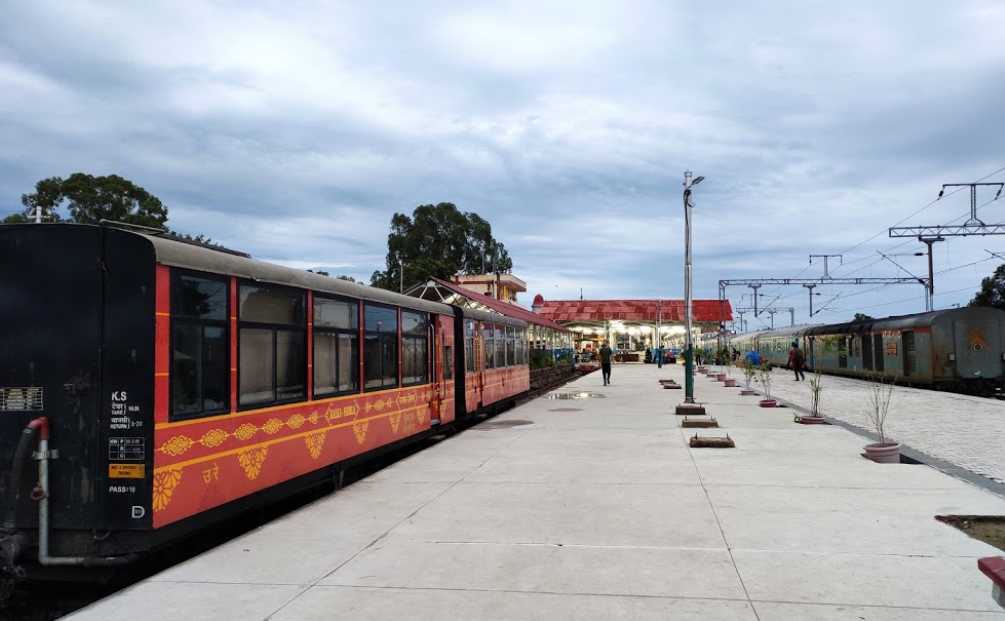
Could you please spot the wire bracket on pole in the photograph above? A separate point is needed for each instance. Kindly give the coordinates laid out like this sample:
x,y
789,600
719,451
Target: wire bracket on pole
x,y
826,258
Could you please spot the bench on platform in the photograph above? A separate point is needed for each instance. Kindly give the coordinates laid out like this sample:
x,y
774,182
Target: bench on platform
x,y
994,567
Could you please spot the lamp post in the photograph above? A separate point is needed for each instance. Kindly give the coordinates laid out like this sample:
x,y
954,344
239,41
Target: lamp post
x,y
401,274
689,183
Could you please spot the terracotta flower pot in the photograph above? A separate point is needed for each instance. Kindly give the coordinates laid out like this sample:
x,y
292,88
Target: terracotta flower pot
x,y
720,377
730,383
768,403
883,453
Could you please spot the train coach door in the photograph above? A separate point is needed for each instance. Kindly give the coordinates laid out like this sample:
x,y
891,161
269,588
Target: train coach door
x,y
975,357
50,363
907,344
877,352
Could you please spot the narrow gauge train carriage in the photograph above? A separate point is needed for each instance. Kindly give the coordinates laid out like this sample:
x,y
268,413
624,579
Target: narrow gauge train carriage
x,y
171,386
960,349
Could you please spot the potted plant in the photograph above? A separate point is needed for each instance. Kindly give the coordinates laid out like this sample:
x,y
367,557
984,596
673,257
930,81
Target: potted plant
x,y
816,389
880,395
749,372
764,376
722,361
730,382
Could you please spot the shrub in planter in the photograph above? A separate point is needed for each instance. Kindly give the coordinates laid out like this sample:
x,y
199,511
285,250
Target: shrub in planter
x,y
764,377
749,373
885,451
816,389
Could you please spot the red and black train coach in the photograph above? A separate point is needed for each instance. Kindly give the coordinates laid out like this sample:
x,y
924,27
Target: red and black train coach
x,y
151,387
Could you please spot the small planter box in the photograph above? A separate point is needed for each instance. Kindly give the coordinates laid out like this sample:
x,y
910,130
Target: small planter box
x,y
699,422
811,420
711,442
671,386
888,453
730,383
690,409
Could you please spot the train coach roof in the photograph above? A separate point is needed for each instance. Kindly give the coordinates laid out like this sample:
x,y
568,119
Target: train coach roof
x,y
901,322
486,316
196,257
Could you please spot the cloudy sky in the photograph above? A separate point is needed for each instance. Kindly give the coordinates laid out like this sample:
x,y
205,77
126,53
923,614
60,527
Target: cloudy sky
x,y
294,130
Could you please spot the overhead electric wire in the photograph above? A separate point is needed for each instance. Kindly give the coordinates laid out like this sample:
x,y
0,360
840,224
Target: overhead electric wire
x,y
844,265
927,206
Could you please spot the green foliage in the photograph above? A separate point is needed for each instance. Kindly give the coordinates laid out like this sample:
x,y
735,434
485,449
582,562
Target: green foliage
x,y
992,291
541,358
91,199
862,317
439,240
15,218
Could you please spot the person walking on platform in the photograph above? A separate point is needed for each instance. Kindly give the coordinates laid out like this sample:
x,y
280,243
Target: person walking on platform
x,y
605,362
797,361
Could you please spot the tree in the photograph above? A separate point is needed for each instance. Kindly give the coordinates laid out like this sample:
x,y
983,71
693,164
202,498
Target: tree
x,y
992,291
862,317
90,199
439,241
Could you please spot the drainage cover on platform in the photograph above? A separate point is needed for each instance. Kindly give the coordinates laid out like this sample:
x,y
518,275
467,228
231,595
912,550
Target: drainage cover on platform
x,y
575,395
501,424
566,410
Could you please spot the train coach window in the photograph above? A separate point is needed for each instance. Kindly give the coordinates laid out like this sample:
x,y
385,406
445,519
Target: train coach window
x,y
500,346
414,348
469,345
200,380
489,339
336,346
272,344
510,346
448,363
380,350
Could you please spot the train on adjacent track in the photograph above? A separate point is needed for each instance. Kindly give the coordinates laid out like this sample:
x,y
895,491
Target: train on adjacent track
x,y
961,349
159,387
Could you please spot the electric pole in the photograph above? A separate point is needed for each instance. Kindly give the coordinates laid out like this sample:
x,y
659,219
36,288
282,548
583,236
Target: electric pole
x,y
928,241
755,287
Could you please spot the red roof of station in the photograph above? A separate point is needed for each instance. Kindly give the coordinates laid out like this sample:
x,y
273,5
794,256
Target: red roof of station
x,y
712,311
503,308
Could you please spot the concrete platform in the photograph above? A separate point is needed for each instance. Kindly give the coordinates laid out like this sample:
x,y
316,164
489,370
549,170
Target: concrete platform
x,y
599,510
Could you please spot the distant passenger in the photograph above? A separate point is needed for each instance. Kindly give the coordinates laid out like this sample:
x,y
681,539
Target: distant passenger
x,y
605,362
753,358
797,361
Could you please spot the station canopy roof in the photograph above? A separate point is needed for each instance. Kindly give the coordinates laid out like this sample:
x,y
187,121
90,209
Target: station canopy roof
x,y
667,311
451,293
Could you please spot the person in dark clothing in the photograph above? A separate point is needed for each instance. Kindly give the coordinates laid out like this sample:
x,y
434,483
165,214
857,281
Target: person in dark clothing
x,y
605,362
797,361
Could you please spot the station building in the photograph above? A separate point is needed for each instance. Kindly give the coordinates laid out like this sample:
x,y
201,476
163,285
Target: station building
x,y
632,325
